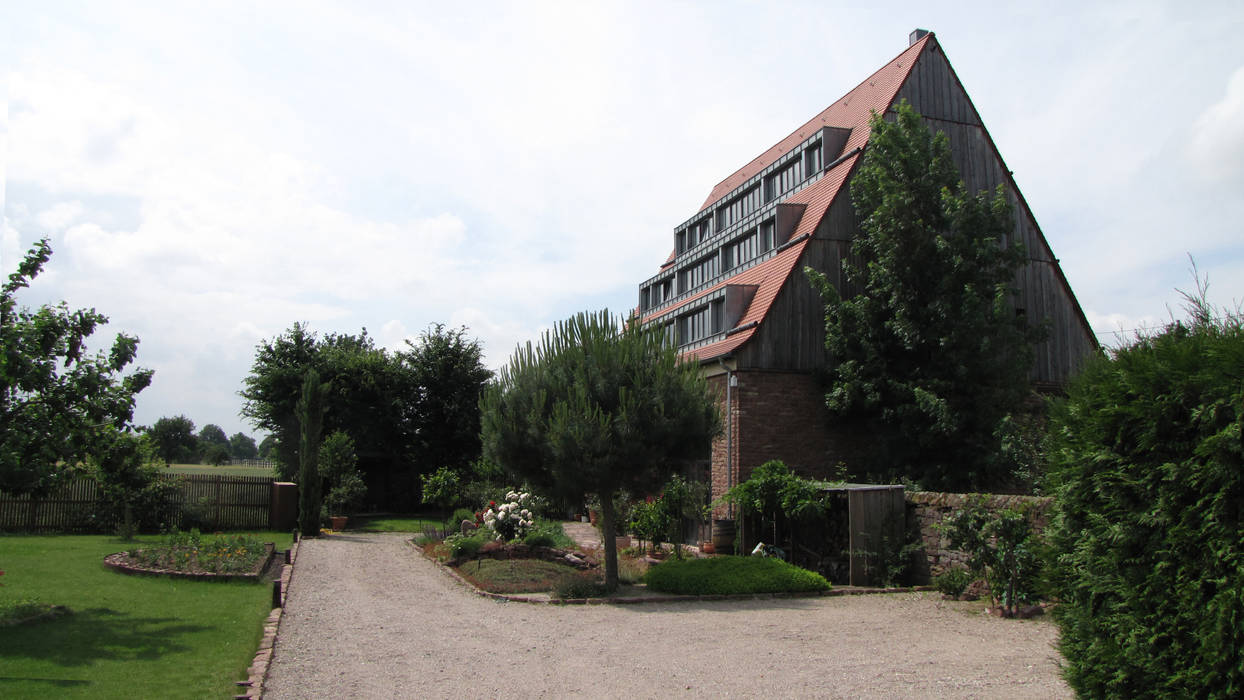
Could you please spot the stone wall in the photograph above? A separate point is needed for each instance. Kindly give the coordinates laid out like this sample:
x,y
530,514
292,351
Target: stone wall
x,y
928,509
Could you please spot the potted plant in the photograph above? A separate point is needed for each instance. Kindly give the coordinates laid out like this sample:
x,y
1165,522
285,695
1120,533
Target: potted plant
x,y
344,498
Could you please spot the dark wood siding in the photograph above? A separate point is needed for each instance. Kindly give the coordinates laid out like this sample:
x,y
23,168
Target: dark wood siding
x,y
935,91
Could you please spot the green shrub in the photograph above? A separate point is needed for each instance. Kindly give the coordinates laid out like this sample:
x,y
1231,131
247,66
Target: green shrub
x,y
952,582
466,547
650,521
462,514
1148,533
1001,547
549,534
728,575
577,587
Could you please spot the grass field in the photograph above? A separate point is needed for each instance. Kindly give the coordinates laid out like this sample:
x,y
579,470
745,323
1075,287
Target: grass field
x,y
127,636
223,470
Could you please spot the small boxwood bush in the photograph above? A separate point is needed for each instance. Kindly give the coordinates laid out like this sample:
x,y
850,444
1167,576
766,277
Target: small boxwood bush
x,y
952,582
731,575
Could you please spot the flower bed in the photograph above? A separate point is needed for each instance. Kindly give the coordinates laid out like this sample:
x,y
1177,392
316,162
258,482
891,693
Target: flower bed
x,y
188,555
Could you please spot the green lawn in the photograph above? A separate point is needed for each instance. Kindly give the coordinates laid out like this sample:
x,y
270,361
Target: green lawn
x,y
393,523
127,636
222,470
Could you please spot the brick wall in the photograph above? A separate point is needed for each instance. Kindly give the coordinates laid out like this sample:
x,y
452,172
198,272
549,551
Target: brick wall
x,y
929,509
775,415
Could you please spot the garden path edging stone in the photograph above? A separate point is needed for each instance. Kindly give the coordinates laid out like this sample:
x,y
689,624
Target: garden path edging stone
x,y
257,673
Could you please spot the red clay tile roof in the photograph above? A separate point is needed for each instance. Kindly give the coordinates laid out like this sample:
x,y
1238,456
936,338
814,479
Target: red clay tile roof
x,y
852,111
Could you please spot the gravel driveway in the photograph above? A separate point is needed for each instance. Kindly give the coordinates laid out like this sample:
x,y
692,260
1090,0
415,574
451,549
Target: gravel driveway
x,y
368,617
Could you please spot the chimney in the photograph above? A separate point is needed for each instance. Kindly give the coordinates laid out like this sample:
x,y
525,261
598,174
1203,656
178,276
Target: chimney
x,y
916,35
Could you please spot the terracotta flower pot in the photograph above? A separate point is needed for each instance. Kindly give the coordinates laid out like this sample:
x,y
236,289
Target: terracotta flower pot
x,y
338,522
707,548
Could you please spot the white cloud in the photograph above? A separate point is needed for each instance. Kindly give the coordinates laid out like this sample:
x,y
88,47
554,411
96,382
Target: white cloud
x,y
1216,146
502,166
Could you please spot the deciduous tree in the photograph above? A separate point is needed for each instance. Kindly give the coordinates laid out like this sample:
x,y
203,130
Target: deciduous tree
x,y
929,353
56,399
173,438
598,406
242,446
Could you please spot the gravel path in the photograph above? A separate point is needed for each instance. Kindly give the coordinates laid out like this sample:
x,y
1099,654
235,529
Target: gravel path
x,y
368,617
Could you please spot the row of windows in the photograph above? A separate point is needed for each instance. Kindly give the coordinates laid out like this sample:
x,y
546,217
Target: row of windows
x,y
699,272
751,244
801,167
783,180
755,242
738,208
701,323
691,236
776,184
656,294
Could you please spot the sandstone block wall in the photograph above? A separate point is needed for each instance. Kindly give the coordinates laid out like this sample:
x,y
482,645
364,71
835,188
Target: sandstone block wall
x,y
929,509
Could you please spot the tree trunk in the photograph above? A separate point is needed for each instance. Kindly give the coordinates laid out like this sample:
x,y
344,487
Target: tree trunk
x,y
609,540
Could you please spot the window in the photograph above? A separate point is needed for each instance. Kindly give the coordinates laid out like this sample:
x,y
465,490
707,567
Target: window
x,y
766,235
812,160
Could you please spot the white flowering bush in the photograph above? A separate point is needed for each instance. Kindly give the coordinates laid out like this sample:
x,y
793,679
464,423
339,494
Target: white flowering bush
x,y
511,519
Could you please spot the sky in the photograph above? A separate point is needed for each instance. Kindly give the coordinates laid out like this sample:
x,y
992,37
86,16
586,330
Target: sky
x,y
211,173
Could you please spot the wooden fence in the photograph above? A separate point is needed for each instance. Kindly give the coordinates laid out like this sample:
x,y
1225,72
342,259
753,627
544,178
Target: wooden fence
x,y
206,501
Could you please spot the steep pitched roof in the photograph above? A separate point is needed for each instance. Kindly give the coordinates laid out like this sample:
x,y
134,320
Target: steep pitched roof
x,y
852,111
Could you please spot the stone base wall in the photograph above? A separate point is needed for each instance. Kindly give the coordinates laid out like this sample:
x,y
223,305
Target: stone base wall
x,y
930,509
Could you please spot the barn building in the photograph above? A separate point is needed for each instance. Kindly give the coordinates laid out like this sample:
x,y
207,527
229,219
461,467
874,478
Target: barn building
x,y
734,296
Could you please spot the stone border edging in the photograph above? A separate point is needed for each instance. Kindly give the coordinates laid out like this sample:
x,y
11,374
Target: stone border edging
x,y
662,598
257,673
116,562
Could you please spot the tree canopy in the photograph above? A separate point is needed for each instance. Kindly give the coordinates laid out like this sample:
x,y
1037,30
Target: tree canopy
x,y
407,412
56,399
173,438
596,407
242,446
929,353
